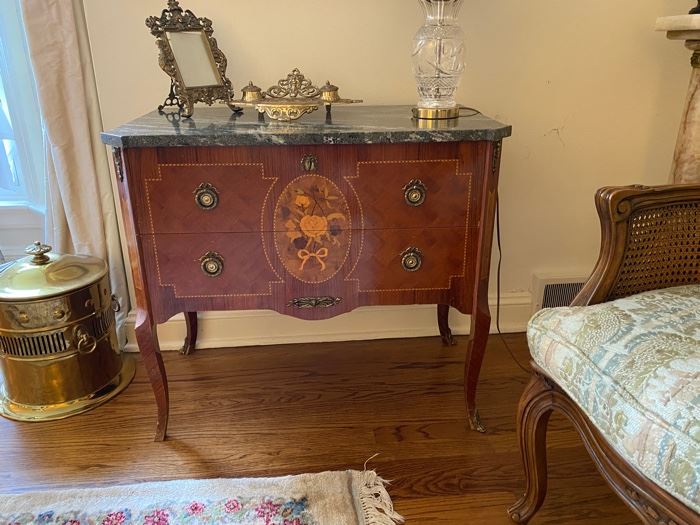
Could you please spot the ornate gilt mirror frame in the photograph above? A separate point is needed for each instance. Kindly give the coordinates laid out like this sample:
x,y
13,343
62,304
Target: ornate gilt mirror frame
x,y
175,19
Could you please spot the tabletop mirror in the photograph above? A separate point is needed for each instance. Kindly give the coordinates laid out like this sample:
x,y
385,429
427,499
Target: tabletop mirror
x,y
191,57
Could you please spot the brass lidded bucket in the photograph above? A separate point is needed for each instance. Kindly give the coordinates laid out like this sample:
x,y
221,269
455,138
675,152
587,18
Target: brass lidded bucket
x,y
59,354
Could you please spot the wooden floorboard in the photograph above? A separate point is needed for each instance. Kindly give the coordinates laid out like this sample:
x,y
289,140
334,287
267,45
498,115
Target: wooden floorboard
x,y
290,409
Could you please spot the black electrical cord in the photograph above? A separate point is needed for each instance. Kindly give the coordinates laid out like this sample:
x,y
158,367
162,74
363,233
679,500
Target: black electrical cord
x,y
498,288
474,112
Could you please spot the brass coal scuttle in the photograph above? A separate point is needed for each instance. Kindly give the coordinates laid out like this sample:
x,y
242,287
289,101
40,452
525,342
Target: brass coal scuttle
x,y
59,354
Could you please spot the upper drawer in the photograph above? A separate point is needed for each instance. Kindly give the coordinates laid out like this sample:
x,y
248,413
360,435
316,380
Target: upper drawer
x,y
206,198
430,193
237,190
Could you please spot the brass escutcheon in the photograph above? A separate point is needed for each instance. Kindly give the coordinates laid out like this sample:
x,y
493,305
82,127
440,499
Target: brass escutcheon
x,y
309,163
314,302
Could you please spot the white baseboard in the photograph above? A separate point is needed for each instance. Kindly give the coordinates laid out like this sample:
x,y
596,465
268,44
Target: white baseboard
x,y
262,327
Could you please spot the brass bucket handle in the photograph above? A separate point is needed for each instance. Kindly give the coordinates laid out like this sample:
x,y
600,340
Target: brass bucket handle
x,y
84,342
116,305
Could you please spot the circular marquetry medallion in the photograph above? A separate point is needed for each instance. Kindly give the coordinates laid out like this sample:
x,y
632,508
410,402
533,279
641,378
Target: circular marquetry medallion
x,y
312,228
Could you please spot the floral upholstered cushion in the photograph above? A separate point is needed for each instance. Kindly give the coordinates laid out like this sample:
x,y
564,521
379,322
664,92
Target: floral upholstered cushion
x,y
633,366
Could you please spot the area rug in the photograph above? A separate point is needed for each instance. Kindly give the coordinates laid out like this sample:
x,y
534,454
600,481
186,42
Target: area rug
x,y
329,498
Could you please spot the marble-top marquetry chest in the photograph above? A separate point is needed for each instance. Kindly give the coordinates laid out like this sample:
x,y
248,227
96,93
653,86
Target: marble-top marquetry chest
x,y
312,219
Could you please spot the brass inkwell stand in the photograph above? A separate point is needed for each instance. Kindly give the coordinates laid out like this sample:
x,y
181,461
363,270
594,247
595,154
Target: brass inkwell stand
x,y
291,98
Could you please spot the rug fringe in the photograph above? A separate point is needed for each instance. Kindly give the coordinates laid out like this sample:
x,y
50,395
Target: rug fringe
x,y
376,502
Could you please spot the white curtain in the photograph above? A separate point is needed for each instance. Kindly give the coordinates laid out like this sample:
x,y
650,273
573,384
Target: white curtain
x,y
686,161
81,212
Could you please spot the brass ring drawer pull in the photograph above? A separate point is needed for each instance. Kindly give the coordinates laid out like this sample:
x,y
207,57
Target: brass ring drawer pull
x,y
412,260
212,264
415,192
206,196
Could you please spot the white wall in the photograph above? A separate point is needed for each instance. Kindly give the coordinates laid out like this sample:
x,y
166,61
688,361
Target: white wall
x,y
19,226
593,93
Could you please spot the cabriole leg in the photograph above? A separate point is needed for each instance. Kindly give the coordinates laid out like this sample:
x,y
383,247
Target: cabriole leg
x,y
443,312
147,339
478,337
191,338
536,405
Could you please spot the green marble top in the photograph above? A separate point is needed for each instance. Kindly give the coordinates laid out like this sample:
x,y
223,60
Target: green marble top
x,y
348,125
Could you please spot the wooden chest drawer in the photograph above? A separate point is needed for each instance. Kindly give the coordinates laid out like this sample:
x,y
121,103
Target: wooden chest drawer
x,y
210,265
236,192
413,260
413,193
205,198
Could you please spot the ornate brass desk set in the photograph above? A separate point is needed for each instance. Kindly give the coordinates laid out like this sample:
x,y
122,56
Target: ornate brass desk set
x,y
191,57
292,98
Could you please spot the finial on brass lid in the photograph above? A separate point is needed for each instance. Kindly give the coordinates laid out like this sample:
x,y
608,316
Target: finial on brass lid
x,y
252,93
39,251
329,92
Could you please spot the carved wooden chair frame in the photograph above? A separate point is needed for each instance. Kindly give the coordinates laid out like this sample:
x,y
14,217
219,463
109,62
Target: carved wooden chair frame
x,y
624,213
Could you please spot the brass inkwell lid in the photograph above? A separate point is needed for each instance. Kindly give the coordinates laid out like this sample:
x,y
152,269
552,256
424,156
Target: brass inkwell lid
x,y
292,98
44,274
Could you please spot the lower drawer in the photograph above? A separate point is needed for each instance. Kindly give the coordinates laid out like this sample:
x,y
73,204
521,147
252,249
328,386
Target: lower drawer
x,y
207,271
209,265
413,260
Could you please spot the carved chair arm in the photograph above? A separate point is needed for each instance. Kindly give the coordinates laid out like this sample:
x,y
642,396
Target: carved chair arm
x,y
650,239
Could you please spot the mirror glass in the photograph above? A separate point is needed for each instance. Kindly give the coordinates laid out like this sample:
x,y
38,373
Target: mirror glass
x,y
194,58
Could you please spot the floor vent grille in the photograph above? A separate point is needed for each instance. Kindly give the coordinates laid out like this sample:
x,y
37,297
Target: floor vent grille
x,y
560,294
553,291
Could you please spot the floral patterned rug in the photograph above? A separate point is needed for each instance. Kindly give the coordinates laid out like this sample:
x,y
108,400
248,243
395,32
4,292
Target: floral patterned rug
x,y
329,498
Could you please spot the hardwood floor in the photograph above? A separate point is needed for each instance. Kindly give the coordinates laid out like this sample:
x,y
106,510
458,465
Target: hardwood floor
x,y
280,410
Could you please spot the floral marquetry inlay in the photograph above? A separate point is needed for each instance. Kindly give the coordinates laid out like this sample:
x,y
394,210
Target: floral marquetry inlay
x,y
312,225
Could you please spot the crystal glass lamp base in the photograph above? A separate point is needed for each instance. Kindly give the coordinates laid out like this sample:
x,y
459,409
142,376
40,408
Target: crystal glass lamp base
x,y
438,60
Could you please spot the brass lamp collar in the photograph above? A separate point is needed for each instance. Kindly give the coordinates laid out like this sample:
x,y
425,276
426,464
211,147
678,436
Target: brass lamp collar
x,y
436,113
